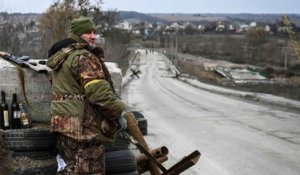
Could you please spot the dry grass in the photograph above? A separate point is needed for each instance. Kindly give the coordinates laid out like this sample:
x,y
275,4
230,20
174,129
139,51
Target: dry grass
x,y
295,81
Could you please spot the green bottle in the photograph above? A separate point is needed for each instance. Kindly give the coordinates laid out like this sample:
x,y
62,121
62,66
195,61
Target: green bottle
x,y
4,113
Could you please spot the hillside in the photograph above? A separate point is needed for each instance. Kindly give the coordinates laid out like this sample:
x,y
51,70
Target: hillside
x,y
19,17
136,17
207,17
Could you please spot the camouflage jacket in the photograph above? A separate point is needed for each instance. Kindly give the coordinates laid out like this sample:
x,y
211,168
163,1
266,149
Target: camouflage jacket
x,y
82,95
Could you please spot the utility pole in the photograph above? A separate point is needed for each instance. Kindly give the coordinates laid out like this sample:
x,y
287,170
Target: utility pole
x,y
285,59
176,45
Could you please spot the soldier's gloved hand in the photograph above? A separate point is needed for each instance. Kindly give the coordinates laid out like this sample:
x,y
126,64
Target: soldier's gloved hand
x,y
127,113
109,128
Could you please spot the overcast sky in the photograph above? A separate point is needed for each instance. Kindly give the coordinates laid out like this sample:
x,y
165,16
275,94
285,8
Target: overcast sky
x,y
169,6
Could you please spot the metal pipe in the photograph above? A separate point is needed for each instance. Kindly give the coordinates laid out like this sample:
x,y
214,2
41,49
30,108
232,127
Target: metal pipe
x,y
137,135
156,153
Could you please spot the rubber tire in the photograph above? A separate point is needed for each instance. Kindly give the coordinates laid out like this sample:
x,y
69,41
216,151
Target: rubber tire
x,y
119,144
130,173
138,114
28,133
42,167
142,122
143,125
48,170
120,162
33,139
144,131
35,155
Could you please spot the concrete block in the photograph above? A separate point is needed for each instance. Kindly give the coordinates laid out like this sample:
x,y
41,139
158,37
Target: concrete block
x,y
38,88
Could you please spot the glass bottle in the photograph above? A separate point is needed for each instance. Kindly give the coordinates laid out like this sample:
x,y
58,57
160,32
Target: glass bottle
x,y
25,122
15,110
4,112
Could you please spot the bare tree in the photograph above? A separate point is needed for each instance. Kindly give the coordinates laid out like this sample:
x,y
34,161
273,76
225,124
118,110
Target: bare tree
x,y
255,38
9,37
110,18
53,25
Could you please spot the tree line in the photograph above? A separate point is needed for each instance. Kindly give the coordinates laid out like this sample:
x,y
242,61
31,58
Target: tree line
x,y
35,37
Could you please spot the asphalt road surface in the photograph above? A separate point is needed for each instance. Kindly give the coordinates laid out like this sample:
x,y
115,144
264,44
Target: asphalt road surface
x,y
235,137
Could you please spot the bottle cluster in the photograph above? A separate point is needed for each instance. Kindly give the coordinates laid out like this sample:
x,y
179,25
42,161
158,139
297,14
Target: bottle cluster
x,y
16,118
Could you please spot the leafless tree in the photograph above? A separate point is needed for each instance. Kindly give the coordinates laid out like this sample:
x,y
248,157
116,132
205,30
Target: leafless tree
x,y
9,37
53,25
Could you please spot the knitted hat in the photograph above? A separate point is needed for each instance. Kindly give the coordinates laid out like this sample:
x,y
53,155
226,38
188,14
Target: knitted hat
x,y
82,25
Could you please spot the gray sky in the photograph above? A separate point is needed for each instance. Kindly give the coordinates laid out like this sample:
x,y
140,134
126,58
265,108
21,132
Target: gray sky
x,y
169,6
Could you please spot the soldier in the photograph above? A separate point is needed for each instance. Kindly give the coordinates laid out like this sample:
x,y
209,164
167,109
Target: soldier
x,y
86,112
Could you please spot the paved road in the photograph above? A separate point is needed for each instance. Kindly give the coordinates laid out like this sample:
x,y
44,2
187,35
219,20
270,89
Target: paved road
x,y
235,137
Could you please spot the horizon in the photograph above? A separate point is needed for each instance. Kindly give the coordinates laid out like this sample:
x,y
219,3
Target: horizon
x,y
169,6
174,13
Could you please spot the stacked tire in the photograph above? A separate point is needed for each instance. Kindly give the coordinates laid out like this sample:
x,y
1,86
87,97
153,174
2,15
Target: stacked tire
x,y
119,159
33,150
120,162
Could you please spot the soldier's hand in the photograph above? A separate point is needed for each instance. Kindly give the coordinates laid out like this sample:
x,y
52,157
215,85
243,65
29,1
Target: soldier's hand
x,y
109,128
122,124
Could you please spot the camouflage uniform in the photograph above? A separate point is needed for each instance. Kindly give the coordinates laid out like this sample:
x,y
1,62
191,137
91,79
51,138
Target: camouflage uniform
x,y
83,99
82,157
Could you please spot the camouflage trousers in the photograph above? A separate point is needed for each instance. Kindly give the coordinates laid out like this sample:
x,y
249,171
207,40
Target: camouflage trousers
x,y
82,158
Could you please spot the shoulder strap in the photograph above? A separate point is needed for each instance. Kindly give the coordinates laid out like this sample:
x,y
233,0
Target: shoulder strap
x,y
22,79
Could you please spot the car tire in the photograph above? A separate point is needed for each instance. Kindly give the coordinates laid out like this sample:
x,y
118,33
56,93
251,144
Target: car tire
x,y
33,139
143,125
130,173
120,162
142,122
35,155
119,144
138,115
40,167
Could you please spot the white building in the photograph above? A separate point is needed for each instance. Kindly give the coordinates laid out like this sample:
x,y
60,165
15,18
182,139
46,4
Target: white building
x,y
267,28
125,25
253,24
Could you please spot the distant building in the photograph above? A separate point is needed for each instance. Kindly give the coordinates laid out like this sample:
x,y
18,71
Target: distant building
x,y
220,26
243,28
100,39
252,24
267,28
231,28
174,25
188,24
125,25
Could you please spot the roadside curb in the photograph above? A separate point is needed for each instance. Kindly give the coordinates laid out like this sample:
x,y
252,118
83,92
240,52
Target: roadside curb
x,y
259,97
